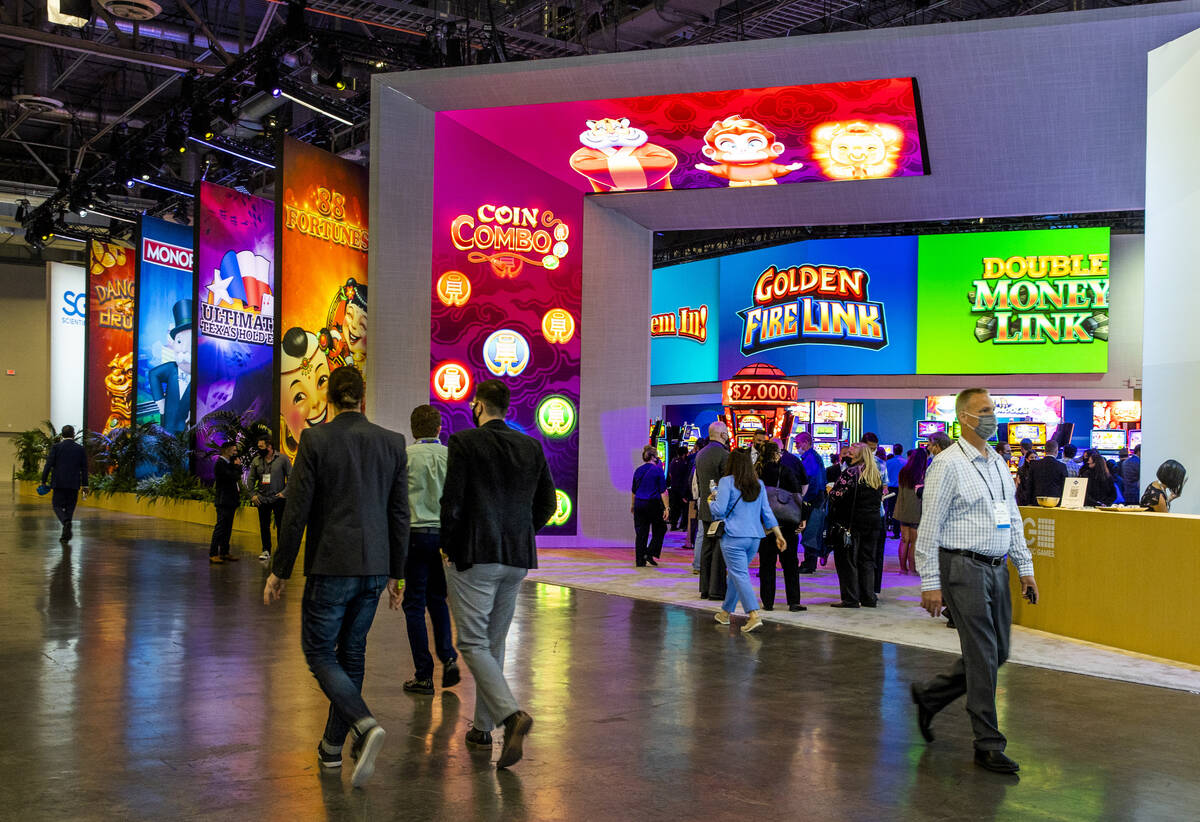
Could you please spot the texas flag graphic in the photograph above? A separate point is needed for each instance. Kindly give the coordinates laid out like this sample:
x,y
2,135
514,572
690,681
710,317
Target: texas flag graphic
x,y
243,280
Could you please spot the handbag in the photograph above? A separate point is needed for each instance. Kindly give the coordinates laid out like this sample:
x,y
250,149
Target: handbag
x,y
717,527
786,507
840,534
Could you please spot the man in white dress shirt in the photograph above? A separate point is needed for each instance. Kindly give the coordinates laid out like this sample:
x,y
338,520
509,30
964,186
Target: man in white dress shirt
x,y
970,524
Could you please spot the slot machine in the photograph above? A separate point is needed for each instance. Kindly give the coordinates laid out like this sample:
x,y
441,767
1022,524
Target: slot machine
x,y
759,398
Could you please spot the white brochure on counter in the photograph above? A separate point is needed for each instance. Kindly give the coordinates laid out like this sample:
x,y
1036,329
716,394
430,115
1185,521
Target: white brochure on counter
x,y
1074,492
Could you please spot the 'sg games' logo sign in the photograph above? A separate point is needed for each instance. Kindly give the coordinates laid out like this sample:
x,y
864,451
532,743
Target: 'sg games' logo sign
x,y
812,304
74,304
165,254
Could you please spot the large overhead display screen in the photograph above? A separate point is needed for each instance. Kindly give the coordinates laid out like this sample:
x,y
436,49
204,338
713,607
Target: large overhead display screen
x,y
861,130
1020,302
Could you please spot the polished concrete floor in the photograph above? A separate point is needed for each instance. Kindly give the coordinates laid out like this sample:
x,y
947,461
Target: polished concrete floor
x,y
141,683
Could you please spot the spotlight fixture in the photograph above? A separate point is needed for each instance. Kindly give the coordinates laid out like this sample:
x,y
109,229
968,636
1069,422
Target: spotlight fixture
x,y
266,79
200,124
176,137
327,68
22,210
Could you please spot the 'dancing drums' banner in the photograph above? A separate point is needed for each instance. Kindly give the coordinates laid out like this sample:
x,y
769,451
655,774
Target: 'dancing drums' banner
x,y
235,302
322,240
109,367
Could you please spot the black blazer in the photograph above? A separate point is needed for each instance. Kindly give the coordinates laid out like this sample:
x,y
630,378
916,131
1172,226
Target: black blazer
x,y
498,495
226,477
1045,478
67,462
349,488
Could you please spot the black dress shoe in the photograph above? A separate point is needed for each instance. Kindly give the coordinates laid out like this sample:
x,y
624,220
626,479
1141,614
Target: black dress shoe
x,y
451,675
650,561
795,608
995,761
843,605
868,604
924,715
768,607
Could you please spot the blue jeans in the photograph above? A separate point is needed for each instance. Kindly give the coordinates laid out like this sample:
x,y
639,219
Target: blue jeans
x,y
425,587
738,551
484,598
335,616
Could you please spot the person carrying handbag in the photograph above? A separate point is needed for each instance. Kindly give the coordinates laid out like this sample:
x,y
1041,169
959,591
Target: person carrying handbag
x,y
854,514
740,502
784,493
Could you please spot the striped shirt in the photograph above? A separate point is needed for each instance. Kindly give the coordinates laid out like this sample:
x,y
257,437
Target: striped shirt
x,y
958,512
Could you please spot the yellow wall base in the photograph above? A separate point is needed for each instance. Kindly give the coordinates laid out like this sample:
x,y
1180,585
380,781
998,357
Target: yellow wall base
x,y
1126,580
201,513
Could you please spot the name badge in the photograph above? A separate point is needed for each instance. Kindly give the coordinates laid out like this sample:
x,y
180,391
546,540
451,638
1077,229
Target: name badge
x,y
1001,512
266,479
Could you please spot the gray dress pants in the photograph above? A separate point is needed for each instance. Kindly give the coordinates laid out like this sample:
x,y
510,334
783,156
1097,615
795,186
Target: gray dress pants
x,y
977,594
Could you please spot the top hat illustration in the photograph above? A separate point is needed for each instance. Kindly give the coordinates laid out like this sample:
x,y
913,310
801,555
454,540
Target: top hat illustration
x,y
183,316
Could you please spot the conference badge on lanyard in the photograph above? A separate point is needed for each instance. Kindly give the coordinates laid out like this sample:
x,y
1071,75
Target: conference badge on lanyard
x,y
1001,512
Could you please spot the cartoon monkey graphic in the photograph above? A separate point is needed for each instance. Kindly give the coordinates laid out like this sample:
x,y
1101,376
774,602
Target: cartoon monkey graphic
x,y
857,150
745,150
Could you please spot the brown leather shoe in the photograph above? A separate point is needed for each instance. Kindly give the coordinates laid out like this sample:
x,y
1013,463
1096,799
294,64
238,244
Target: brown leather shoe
x,y
516,728
216,560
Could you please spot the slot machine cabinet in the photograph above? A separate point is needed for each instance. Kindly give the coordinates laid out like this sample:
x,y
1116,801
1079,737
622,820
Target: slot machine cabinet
x,y
759,397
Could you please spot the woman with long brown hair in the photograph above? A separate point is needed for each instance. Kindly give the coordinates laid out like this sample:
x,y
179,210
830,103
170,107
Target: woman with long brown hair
x,y
741,503
854,504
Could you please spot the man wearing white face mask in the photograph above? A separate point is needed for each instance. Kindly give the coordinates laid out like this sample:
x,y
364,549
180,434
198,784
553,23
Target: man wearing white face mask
x,y
970,525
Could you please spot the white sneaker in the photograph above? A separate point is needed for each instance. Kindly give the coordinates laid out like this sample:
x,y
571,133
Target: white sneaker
x,y
265,556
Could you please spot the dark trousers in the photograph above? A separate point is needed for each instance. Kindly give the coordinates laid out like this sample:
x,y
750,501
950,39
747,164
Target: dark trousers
x,y
768,554
712,565
693,524
880,549
63,501
648,523
977,595
335,616
425,588
856,566
889,509
679,509
222,531
813,538
264,521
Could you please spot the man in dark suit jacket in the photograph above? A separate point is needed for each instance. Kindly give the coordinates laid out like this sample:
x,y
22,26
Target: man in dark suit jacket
x,y
498,494
349,488
227,474
1045,477
66,472
710,467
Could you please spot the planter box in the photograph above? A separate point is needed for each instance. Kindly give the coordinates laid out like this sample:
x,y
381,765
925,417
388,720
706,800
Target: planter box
x,y
186,510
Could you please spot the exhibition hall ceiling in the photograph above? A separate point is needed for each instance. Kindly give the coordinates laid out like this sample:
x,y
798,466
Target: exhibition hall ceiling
x,y
72,97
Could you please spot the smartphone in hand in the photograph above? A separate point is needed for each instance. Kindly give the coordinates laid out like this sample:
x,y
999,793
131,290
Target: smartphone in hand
x,y
1031,594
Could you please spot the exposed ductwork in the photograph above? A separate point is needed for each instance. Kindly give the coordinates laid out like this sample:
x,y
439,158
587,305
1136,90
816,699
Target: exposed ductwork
x,y
170,34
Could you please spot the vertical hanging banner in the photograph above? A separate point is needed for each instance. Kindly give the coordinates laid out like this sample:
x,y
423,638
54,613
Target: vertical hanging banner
x,y
322,232
235,308
164,325
68,325
109,375
507,300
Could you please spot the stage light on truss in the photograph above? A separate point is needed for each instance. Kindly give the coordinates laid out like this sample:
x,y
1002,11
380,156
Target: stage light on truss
x,y
314,103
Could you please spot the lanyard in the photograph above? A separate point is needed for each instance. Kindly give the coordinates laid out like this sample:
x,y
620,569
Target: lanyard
x,y
986,484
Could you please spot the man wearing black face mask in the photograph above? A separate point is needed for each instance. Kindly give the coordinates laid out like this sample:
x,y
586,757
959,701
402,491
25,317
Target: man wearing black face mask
x,y
970,525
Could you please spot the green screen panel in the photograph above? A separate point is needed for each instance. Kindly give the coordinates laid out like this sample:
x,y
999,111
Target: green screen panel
x,y
1013,302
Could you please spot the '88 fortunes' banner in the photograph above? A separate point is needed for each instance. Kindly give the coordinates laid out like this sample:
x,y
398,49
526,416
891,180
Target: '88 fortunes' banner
x,y
109,377
322,236
235,308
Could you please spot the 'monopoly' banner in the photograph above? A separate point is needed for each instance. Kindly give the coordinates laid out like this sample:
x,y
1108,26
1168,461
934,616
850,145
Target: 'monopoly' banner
x,y
1014,302
164,324
68,323
109,376
235,261
322,281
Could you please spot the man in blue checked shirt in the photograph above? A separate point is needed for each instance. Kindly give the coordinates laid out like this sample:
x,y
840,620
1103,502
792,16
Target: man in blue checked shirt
x,y
970,524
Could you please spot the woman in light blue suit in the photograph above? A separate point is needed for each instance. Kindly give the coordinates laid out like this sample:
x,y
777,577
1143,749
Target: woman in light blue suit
x,y
741,502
